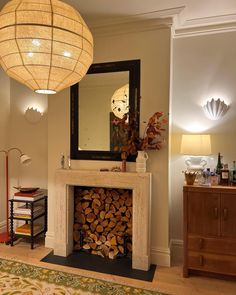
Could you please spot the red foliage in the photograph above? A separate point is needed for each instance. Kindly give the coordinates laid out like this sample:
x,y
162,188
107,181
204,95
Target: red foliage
x,y
153,135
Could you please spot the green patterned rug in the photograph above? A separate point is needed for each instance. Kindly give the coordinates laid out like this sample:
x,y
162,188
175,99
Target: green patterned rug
x,y
20,278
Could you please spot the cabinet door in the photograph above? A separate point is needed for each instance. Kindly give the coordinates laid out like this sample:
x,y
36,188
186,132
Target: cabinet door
x,y
204,214
228,214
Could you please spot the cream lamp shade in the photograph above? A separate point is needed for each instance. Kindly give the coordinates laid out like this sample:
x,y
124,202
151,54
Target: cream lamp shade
x,y
44,44
120,101
196,144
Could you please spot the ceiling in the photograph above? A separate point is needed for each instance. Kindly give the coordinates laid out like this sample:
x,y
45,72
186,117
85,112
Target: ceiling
x,y
185,13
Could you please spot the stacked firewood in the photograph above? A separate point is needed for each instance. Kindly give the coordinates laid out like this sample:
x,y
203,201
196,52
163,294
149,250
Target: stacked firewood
x,y
103,221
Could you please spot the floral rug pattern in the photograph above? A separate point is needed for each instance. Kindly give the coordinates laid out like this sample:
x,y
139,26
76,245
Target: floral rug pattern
x,y
20,278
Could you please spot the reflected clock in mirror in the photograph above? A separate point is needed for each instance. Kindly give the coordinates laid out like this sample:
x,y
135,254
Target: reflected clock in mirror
x,y
105,94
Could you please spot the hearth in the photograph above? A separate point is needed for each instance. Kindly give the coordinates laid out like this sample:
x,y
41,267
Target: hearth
x,y
137,183
119,267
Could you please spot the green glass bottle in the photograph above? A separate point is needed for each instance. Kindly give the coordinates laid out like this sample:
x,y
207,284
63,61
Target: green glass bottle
x,y
219,165
234,173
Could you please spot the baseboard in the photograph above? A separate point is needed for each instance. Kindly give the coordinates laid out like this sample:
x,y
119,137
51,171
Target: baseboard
x,y
176,247
160,256
49,240
2,226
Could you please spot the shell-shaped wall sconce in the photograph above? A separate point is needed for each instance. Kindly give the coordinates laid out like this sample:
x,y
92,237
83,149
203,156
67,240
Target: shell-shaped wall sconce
x,y
215,109
33,115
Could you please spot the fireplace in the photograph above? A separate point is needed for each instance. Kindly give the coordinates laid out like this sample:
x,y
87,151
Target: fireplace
x,y
103,221
138,183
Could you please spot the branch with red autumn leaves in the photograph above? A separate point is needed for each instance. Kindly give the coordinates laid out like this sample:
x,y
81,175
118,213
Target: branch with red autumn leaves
x,y
152,138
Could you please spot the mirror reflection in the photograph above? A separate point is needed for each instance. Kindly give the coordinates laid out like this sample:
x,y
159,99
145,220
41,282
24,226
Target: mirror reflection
x,y
103,97
98,103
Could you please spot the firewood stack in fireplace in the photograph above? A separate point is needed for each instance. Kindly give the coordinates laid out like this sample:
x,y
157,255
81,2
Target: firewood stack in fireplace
x,y
103,221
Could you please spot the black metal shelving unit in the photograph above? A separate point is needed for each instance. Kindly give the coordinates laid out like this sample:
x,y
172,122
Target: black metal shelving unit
x,y
29,204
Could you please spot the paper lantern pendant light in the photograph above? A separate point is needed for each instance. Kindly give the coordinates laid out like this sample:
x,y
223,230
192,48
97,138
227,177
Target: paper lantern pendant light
x,y
44,44
120,101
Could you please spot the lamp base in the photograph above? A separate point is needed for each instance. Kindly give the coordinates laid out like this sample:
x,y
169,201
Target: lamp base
x,y
195,163
4,238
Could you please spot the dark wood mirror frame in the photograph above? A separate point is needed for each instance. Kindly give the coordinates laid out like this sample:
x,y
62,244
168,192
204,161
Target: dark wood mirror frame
x,y
133,67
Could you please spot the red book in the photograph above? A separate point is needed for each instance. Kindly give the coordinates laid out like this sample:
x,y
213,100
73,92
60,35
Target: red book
x,y
32,194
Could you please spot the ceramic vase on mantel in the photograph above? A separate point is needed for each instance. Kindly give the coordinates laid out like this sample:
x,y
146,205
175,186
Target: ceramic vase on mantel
x,y
141,161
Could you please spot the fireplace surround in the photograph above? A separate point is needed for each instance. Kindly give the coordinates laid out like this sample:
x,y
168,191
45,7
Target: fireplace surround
x,y
139,183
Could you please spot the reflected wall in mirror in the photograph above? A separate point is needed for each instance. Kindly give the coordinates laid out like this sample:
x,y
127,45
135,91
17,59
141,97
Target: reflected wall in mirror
x,y
105,94
95,96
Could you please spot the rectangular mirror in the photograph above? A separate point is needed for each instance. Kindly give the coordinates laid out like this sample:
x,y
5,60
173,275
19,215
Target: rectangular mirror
x,y
98,102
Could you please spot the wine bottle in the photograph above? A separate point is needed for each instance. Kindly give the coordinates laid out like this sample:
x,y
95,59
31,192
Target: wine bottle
x,y
224,175
234,173
219,165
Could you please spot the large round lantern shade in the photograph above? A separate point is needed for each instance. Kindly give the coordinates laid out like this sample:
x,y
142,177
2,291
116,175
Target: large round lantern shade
x,y
120,101
44,44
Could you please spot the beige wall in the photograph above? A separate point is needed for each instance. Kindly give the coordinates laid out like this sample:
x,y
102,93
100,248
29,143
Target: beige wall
x,y
16,131
153,49
203,67
30,138
4,120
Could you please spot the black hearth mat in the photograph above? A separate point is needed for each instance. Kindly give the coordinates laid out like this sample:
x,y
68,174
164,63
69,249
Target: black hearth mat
x,y
120,267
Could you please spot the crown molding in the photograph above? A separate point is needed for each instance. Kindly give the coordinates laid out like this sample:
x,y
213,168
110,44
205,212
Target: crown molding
x,y
164,13
131,27
137,23
206,25
174,18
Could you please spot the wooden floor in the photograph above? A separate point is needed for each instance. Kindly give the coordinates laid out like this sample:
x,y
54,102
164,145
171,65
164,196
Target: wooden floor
x,y
166,280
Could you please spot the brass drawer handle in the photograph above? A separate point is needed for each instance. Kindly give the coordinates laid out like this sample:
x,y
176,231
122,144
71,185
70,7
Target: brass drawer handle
x,y
225,213
201,260
216,212
200,243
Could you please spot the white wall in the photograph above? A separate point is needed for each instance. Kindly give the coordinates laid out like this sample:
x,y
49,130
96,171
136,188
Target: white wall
x,y
4,120
203,67
153,48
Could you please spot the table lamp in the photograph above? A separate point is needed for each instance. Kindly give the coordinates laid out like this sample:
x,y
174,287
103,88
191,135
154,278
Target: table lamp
x,y
196,146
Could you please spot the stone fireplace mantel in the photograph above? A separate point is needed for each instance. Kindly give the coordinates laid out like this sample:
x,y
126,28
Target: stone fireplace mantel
x,y
139,183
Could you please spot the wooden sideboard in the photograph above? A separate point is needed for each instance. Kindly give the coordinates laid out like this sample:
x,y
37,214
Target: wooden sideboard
x,y
209,230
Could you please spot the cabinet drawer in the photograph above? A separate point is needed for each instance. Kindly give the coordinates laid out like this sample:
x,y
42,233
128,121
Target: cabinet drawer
x,y
212,245
223,264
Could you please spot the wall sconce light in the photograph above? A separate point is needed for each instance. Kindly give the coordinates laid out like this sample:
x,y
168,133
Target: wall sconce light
x,y
33,115
215,109
196,146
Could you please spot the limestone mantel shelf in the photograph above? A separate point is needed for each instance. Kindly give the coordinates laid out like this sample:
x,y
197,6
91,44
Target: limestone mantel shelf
x,y
139,183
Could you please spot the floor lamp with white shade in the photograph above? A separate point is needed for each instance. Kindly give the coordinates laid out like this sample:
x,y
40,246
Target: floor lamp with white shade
x,y
24,159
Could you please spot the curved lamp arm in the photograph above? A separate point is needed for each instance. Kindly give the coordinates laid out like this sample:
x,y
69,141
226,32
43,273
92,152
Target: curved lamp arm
x,y
24,159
